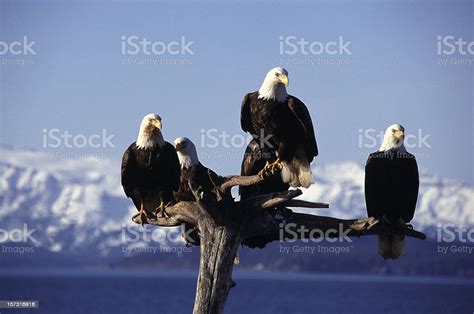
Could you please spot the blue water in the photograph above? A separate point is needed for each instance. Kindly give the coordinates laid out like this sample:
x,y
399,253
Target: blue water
x,y
92,291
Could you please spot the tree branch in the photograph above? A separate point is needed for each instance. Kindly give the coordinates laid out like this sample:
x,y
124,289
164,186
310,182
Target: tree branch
x,y
232,181
179,213
259,225
257,203
306,204
305,226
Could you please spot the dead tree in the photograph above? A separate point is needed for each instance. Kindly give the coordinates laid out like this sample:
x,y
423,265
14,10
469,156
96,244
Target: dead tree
x,y
224,223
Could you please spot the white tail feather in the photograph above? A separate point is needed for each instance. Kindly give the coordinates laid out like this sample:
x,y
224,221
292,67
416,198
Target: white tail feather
x,y
398,246
385,246
297,172
289,174
305,176
391,246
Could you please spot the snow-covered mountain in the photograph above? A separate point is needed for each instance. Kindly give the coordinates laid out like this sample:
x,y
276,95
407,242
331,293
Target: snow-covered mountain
x,y
78,204
74,205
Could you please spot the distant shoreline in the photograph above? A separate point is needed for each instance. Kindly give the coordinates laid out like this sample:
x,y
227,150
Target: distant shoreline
x,y
240,275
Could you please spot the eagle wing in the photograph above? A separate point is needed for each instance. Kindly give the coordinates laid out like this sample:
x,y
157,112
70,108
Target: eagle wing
x,y
407,182
376,184
171,166
301,113
246,115
253,160
129,175
251,164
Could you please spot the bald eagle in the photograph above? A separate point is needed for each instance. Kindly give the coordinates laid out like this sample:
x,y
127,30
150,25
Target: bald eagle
x,y
282,124
195,175
391,188
150,170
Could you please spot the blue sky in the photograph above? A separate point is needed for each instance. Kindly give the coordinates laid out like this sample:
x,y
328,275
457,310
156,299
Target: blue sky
x,y
79,84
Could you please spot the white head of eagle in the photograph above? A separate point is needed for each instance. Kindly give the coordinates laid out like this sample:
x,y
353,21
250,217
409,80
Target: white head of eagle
x,y
187,154
274,85
393,139
150,135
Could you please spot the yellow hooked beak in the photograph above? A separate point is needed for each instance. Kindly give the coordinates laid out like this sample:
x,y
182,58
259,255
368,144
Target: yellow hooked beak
x,y
156,123
399,134
283,79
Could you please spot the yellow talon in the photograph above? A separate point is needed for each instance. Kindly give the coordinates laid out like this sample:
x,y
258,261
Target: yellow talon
x,y
262,172
275,166
161,209
271,168
143,215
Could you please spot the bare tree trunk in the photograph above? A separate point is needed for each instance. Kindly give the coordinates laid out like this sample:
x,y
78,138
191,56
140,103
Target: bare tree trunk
x,y
219,246
224,224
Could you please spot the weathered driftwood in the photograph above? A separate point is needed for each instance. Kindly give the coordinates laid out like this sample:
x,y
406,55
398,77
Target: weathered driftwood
x,y
224,224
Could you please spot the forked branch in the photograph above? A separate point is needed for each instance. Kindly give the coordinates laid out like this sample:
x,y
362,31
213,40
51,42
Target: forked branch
x,y
232,181
222,224
304,226
261,225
